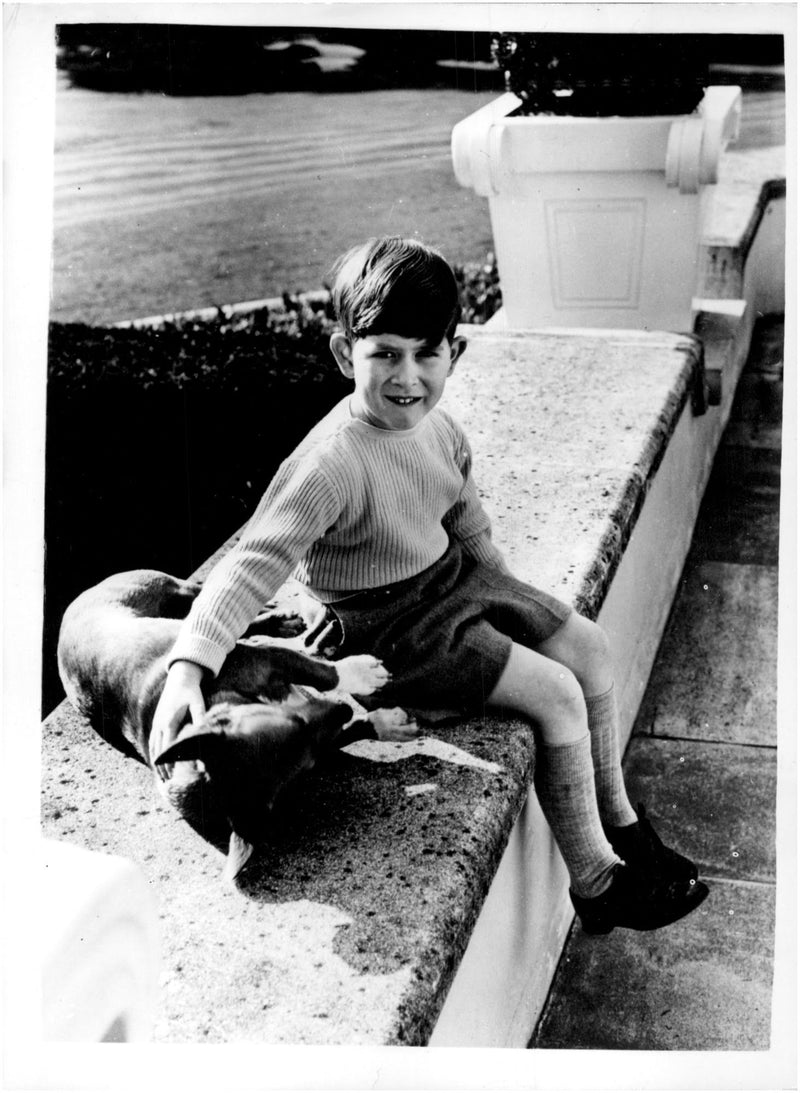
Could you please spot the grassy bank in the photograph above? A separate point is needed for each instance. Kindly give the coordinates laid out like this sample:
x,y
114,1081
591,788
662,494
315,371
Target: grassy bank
x,y
166,204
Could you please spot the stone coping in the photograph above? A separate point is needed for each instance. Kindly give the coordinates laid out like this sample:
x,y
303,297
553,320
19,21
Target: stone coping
x,y
749,181
348,928
568,429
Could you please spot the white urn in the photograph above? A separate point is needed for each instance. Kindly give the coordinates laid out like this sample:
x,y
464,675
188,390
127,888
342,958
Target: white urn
x,y
596,221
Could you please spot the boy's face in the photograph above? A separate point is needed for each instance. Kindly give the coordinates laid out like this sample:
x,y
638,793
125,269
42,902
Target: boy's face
x,y
398,380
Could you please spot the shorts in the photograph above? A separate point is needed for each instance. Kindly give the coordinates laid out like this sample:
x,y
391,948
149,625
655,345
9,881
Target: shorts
x,y
445,635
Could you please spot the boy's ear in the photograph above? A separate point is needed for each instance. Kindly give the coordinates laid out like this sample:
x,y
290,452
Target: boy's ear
x,y
343,353
457,347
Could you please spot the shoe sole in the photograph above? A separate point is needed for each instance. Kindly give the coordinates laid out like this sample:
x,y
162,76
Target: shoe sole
x,y
699,893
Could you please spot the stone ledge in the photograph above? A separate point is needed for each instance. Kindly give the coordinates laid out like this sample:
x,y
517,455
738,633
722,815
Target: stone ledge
x,y
336,934
350,927
748,182
560,447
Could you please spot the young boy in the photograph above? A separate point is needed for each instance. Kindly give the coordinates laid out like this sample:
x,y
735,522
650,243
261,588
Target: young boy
x,y
377,514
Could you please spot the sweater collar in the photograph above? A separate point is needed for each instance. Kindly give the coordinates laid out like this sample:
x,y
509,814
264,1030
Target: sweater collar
x,y
365,429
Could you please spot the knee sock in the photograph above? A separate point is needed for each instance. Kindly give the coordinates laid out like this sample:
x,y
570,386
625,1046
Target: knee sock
x,y
612,798
564,783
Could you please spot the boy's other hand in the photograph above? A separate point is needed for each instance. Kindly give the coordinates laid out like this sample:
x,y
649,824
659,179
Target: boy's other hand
x,y
181,701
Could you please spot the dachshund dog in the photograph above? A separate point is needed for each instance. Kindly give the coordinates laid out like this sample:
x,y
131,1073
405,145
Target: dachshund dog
x,y
263,726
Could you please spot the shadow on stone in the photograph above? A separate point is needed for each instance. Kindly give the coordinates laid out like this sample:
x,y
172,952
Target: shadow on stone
x,y
391,852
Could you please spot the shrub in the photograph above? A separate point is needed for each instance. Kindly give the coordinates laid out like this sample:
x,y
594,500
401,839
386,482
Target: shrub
x,y
598,75
191,412
479,288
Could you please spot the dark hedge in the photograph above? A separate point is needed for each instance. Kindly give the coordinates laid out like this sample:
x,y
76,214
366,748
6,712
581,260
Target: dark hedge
x,y
161,441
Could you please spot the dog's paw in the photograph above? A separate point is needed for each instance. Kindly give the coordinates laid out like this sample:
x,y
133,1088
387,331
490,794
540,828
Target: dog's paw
x,y
394,724
361,675
277,622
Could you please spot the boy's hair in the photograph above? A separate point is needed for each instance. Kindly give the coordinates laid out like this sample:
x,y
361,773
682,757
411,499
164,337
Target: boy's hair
x,y
392,285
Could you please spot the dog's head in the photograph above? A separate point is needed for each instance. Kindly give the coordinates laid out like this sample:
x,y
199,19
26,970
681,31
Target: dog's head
x,y
253,752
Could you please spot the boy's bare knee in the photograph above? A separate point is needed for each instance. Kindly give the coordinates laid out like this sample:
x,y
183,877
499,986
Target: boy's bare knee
x,y
562,716
599,647
544,690
585,636
584,647
597,674
566,694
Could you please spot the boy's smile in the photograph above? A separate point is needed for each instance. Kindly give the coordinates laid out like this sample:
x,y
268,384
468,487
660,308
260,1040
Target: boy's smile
x,y
398,380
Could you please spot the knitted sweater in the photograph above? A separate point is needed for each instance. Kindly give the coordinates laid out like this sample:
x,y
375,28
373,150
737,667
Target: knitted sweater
x,y
353,507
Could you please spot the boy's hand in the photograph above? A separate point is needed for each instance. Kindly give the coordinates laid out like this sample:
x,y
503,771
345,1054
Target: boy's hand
x,y
181,701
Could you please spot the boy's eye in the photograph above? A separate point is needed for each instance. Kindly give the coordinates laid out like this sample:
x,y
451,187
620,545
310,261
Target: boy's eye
x,y
428,353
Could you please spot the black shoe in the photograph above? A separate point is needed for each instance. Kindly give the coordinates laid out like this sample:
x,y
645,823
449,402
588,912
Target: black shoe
x,y
638,902
639,845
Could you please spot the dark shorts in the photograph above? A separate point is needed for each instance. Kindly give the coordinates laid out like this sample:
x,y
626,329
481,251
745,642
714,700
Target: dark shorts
x,y
445,635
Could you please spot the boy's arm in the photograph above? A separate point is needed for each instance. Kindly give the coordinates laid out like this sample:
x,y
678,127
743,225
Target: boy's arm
x,y
468,521
298,507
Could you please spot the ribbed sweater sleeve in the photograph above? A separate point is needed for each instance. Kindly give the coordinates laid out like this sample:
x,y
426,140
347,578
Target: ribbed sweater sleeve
x,y
467,520
298,506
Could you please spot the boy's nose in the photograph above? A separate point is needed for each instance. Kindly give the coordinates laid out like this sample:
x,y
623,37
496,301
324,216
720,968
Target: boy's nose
x,y
406,372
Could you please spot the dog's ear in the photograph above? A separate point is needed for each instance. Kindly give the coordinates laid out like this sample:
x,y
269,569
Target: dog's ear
x,y
192,742
239,851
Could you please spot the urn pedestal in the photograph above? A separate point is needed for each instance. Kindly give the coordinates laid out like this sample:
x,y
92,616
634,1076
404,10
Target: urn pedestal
x,y
596,221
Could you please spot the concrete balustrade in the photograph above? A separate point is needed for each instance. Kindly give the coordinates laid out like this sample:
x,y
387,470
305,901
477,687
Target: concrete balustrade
x,y
412,894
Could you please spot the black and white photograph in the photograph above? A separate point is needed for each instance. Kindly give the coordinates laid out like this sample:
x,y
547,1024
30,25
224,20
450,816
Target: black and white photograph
x,y
400,553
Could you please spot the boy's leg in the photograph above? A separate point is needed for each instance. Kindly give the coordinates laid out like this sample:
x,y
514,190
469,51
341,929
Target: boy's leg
x,y
549,695
582,646
605,892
